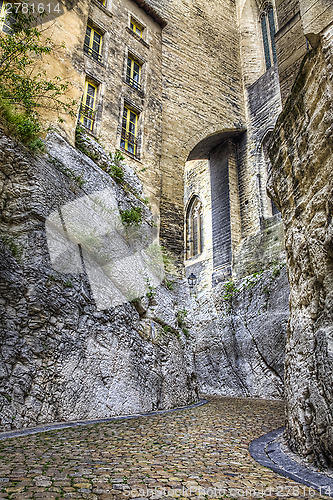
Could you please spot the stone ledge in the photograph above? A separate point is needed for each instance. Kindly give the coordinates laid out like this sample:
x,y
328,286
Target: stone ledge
x,y
267,451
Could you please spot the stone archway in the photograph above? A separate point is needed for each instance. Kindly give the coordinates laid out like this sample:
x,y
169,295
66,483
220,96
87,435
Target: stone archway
x,y
211,171
199,146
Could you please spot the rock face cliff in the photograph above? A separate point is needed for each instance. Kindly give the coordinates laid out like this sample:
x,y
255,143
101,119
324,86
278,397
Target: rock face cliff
x,y
241,334
81,338
63,355
301,184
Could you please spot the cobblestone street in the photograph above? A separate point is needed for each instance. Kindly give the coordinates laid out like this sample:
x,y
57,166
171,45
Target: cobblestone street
x,y
197,453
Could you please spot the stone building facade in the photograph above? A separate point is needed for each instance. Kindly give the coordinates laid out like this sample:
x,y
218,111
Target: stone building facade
x,y
204,90
173,94
245,233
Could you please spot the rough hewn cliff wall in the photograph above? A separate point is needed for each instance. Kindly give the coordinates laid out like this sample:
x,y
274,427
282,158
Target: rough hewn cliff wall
x,y
62,357
241,334
301,184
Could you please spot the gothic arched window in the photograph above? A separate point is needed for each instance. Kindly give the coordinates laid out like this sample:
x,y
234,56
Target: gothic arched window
x,y
268,33
194,228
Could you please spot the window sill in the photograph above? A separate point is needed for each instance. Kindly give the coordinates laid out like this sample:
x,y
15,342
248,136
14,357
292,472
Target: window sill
x,y
131,155
194,258
102,7
93,59
139,92
137,37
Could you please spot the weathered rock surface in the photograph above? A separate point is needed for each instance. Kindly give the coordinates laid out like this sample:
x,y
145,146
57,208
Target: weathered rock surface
x,y
61,357
301,184
240,336
65,358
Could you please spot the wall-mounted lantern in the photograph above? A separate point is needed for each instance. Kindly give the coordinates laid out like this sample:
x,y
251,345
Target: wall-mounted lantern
x,y
192,280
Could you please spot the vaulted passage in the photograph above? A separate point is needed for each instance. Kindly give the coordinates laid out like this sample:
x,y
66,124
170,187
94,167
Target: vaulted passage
x,y
211,175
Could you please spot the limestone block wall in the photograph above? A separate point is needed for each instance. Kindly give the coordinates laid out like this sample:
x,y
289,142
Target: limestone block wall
x,y
262,235
63,356
291,45
251,44
261,250
202,92
263,107
221,211
301,183
316,16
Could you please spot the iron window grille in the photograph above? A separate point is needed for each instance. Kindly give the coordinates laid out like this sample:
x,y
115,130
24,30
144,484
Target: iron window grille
x,y
133,83
129,142
87,116
92,53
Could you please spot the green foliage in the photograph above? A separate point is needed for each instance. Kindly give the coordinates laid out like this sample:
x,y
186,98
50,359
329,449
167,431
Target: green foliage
x,y
117,173
151,290
167,261
276,271
132,216
169,329
168,284
20,125
186,332
115,169
229,290
53,279
25,89
253,279
181,315
117,157
13,247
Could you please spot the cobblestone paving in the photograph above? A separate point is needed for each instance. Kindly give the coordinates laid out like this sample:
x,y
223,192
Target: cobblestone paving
x,y
197,453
